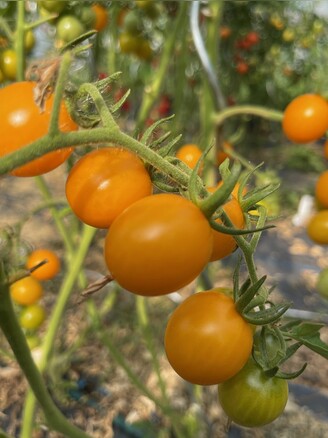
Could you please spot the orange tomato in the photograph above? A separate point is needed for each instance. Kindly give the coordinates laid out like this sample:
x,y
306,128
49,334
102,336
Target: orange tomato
x,y
206,340
49,269
189,154
101,16
317,227
222,155
158,245
26,291
105,182
306,118
321,189
22,122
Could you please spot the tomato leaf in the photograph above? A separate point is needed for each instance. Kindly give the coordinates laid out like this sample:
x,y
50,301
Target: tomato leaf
x,y
308,334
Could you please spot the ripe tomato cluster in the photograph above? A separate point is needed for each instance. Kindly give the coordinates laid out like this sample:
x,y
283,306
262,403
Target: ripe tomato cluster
x,y
306,120
28,291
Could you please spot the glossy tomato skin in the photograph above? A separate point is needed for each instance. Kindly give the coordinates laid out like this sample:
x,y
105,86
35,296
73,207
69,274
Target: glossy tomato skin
x,y
69,28
251,398
105,182
317,227
206,339
225,244
158,245
8,64
47,271
22,122
189,154
32,317
305,118
26,291
321,189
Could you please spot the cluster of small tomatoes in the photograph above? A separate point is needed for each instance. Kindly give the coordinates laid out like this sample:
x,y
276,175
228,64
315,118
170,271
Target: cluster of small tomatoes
x,y
74,20
69,24
27,292
156,243
306,120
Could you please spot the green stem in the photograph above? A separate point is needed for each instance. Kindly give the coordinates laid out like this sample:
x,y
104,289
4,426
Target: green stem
x,y
105,115
19,40
87,137
16,339
42,185
48,341
58,95
152,90
253,110
147,334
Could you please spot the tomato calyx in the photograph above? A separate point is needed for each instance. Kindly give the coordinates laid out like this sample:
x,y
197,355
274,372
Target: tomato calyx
x,y
271,350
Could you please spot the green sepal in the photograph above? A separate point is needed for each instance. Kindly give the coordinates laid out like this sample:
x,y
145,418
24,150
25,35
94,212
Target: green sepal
x,y
150,130
291,375
253,196
167,149
236,231
266,316
308,334
77,41
117,105
230,177
246,298
269,348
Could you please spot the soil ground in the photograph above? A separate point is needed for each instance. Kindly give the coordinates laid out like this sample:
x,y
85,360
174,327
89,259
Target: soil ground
x,y
96,394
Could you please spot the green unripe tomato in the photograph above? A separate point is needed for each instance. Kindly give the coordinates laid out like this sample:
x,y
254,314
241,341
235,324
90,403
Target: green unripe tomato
x,y
322,283
131,23
32,317
251,398
88,17
68,28
8,64
53,6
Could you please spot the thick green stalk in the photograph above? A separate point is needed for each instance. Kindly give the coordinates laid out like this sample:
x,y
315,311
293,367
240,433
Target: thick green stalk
x,y
152,90
16,339
19,40
56,316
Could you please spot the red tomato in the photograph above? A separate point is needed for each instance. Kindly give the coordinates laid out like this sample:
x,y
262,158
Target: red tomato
x,y
206,340
26,291
47,271
242,67
253,38
251,398
306,118
158,245
105,182
22,122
